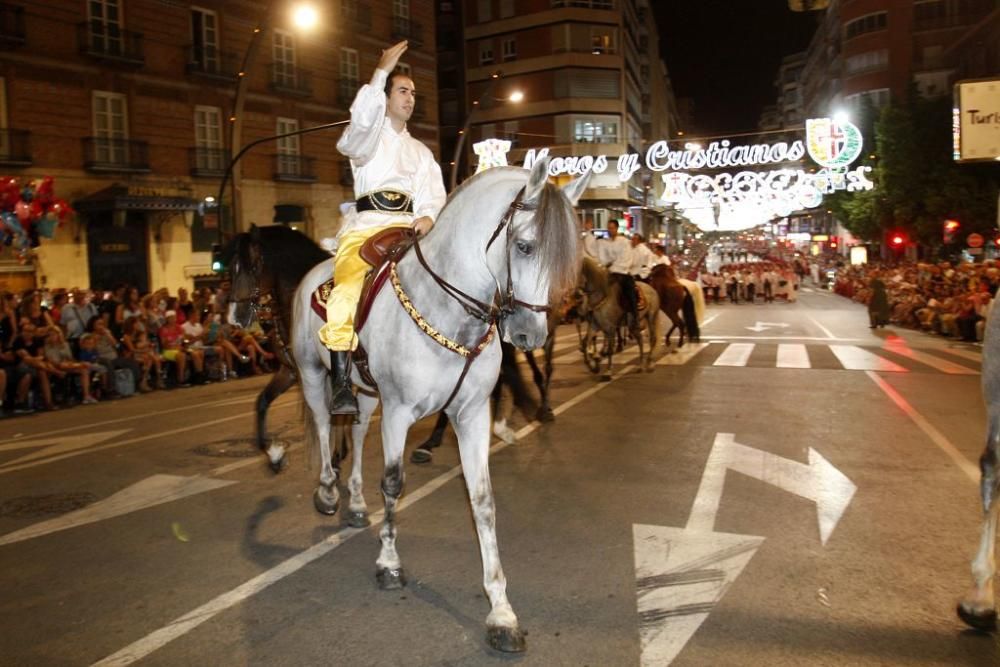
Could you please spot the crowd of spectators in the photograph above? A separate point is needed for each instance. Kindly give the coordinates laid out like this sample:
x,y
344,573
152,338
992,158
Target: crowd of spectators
x,y
64,347
942,298
766,279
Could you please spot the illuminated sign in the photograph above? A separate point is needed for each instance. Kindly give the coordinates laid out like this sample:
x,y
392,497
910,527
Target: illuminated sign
x,y
492,153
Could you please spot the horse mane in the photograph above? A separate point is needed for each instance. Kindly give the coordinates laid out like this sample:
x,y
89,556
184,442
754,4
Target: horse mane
x,y
594,272
665,270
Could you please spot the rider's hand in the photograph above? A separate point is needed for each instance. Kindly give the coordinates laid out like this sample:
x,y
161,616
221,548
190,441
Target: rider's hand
x,y
391,56
422,225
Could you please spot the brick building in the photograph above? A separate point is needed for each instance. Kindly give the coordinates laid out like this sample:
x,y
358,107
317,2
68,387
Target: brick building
x,y
127,104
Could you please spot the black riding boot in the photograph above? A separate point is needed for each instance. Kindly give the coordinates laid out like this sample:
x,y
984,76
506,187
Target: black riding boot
x,y
343,401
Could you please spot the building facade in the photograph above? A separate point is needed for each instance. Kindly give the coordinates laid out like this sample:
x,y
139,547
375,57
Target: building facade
x,y
128,104
592,82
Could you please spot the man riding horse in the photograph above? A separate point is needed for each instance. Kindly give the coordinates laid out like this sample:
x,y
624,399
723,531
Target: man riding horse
x,y
397,183
616,254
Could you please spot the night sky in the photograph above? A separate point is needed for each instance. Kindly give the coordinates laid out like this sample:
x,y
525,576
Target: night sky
x,y
725,55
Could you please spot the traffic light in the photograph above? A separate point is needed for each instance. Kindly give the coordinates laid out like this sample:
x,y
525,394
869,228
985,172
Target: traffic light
x,y
217,258
897,240
951,228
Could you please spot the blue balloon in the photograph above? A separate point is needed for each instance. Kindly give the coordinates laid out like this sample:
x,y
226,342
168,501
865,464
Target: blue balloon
x,y
27,194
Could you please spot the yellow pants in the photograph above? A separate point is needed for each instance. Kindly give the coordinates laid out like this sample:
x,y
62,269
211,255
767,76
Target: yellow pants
x,y
348,277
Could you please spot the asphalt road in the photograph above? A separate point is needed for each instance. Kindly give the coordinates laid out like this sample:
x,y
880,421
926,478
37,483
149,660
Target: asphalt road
x,y
796,490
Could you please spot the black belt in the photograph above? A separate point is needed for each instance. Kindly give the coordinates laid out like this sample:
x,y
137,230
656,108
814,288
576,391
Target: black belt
x,y
389,201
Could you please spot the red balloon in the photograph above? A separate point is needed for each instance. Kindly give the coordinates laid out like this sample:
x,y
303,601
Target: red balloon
x,y
35,210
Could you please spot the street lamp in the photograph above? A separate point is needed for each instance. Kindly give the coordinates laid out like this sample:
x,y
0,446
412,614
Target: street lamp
x,y
456,161
304,17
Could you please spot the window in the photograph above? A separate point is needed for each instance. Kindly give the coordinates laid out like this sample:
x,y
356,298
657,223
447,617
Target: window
x,y
506,8
509,49
349,68
486,53
866,24
510,130
867,61
879,98
596,130
601,41
205,39
283,52
487,130
401,9
588,4
485,10
404,68
105,26
110,127
580,82
288,147
209,155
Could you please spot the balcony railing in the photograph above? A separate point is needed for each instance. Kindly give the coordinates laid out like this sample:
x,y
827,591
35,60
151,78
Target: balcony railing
x,y
297,168
15,148
290,79
210,62
404,28
208,162
347,89
356,15
11,25
108,41
103,154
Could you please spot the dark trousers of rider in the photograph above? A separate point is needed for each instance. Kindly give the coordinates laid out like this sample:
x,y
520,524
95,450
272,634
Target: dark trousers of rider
x,y
627,283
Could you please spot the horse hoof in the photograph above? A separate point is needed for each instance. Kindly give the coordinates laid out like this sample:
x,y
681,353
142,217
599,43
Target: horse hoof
x,y
545,414
984,621
279,465
421,455
390,579
508,640
326,500
358,519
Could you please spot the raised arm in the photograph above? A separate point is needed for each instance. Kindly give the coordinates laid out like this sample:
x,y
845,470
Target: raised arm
x,y
360,140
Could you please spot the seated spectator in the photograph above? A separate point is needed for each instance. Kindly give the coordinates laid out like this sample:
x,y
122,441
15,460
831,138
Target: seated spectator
x,y
31,362
966,320
137,346
75,315
107,356
62,363
172,349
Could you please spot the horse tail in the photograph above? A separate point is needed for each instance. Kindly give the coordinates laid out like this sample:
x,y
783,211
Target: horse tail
x,y
510,375
690,317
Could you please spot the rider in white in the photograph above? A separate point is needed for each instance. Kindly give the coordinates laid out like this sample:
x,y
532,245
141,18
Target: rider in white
x,y
616,254
642,258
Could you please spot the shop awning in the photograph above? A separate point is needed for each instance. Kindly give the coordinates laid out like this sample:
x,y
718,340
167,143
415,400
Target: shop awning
x,y
119,197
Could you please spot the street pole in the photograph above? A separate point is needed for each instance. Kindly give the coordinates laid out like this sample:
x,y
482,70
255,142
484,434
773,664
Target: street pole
x,y
456,160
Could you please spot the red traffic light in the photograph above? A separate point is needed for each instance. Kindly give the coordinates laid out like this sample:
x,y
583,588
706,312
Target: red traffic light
x,y
897,240
951,225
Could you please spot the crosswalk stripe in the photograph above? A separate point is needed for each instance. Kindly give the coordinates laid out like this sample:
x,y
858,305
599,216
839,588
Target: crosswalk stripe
x,y
940,364
792,355
853,358
965,354
737,354
682,356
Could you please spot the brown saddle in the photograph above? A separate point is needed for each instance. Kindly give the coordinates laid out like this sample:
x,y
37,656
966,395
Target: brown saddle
x,y
641,302
379,251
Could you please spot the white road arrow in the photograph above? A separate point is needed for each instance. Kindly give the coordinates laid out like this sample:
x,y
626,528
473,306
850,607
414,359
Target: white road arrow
x,y
45,447
681,574
764,326
817,480
150,492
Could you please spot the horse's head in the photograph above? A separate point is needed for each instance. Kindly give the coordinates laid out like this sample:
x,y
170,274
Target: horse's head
x,y
243,258
542,255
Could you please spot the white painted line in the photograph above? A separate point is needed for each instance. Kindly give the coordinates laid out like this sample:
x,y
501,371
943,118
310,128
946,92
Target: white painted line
x,y
854,358
709,320
938,363
965,354
682,356
737,354
965,465
823,328
189,621
150,492
46,447
792,355
788,337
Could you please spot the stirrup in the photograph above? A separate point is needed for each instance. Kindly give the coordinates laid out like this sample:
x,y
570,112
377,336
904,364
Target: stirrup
x,y
343,402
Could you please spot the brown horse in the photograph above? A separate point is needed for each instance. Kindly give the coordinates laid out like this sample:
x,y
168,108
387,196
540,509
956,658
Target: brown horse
x,y
675,302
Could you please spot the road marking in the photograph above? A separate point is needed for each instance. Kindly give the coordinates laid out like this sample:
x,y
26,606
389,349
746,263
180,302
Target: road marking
x,y
682,356
189,621
900,347
764,326
709,320
823,328
792,355
150,492
787,337
737,354
46,447
964,464
854,358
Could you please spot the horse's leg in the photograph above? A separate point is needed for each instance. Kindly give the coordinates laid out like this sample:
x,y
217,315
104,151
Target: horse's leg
x,y
472,429
654,338
501,412
978,607
357,509
422,454
395,424
326,497
544,412
279,384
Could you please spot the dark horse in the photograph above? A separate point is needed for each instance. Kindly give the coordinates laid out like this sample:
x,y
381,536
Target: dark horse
x,y
676,303
289,257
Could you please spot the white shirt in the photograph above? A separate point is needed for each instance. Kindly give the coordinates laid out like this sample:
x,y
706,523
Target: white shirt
x,y
590,245
661,259
616,254
642,260
192,330
383,159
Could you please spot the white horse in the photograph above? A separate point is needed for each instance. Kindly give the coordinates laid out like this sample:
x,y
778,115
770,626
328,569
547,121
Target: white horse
x,y
505,242
978,607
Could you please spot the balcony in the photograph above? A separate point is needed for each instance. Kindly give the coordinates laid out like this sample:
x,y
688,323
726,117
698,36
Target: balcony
x,y
15,148
945,21
294,168
404,28
124,155
347,89
290,79
210,62
208,162
108,41
356,15
11,25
